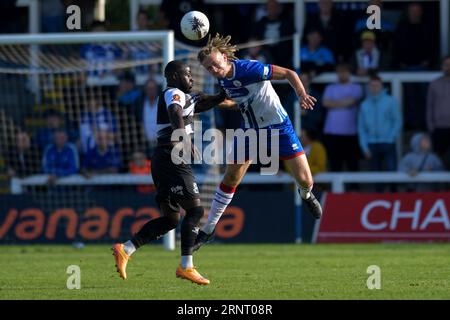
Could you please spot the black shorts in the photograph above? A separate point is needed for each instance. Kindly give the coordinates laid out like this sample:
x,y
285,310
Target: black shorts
x,y
174,182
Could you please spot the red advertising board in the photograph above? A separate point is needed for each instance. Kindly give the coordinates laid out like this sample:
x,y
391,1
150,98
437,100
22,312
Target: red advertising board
x,y
356,217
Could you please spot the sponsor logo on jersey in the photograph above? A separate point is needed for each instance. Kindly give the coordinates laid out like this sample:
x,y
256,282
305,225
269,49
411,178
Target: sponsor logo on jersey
x,y
294,146
177,190
237,83
195,230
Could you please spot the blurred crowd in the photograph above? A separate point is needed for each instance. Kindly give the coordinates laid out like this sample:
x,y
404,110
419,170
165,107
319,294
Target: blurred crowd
x,y
333,31
354,127
357,128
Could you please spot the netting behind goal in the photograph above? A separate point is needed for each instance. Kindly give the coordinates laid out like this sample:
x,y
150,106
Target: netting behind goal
x,y
83,92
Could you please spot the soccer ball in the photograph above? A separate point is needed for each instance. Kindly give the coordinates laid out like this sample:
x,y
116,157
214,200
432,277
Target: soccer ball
x,y
194,25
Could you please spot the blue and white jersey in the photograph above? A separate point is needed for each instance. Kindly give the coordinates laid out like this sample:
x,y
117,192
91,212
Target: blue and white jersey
x,y
251,89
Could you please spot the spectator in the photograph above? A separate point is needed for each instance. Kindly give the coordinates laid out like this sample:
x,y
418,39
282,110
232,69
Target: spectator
x,y
379,125
368,59
414,52
128,94
331,27
315,57
100,55
95,118
23,159
243,14
103,157
149,113
44,136
314,150
52,15
273,27
54,121
257,52
413,47
142,20
341,139
384,35
140,165
421,158
438,111
60,158
139,51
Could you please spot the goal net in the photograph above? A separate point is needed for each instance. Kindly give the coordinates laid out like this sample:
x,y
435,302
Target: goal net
x,y
75,104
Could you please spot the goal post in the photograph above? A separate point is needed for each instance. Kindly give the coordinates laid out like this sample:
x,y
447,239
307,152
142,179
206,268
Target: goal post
x,y
44,71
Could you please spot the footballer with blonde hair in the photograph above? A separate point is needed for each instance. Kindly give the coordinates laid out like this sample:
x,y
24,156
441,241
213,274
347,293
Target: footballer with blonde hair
x,y
247,85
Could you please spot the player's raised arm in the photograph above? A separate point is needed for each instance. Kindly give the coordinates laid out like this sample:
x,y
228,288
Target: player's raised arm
x,y
280,73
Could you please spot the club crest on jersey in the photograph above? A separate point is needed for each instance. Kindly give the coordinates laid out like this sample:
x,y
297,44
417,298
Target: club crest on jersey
x,y
237,83
176,97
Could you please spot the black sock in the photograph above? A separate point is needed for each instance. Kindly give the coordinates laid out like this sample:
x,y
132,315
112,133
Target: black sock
x,y
189,229
153,229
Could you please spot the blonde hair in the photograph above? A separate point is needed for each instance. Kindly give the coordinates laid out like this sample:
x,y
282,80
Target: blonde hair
x,y
218,43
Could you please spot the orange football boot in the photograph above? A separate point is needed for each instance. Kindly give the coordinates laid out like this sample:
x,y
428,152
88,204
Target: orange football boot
x,y
191,274
121,259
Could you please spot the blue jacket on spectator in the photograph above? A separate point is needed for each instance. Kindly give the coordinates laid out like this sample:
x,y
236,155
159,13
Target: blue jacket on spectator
x,y
62,162
320,57
44,137
379,120
130,97
95,160
102,119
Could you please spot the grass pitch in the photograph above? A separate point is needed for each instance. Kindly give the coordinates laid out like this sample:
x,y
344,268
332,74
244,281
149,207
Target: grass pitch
x,y
408,271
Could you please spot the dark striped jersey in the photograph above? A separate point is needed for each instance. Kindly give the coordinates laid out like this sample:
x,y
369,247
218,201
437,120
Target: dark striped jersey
x,y
174,96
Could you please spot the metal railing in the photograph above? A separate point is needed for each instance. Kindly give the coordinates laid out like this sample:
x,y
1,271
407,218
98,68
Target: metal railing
x,y
336,179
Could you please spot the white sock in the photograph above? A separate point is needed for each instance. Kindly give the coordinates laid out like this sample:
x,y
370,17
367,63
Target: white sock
x,y
129,247
222,199
186,262
305,192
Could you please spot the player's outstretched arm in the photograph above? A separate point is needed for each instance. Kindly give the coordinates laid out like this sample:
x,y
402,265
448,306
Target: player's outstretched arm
x,y
280,73
228,104
207,102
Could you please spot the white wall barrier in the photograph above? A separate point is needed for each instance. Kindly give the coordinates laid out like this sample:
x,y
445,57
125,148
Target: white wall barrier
x,y
336,179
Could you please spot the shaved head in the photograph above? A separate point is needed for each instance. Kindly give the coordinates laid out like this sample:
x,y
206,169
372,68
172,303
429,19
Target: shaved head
x,y
173,67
